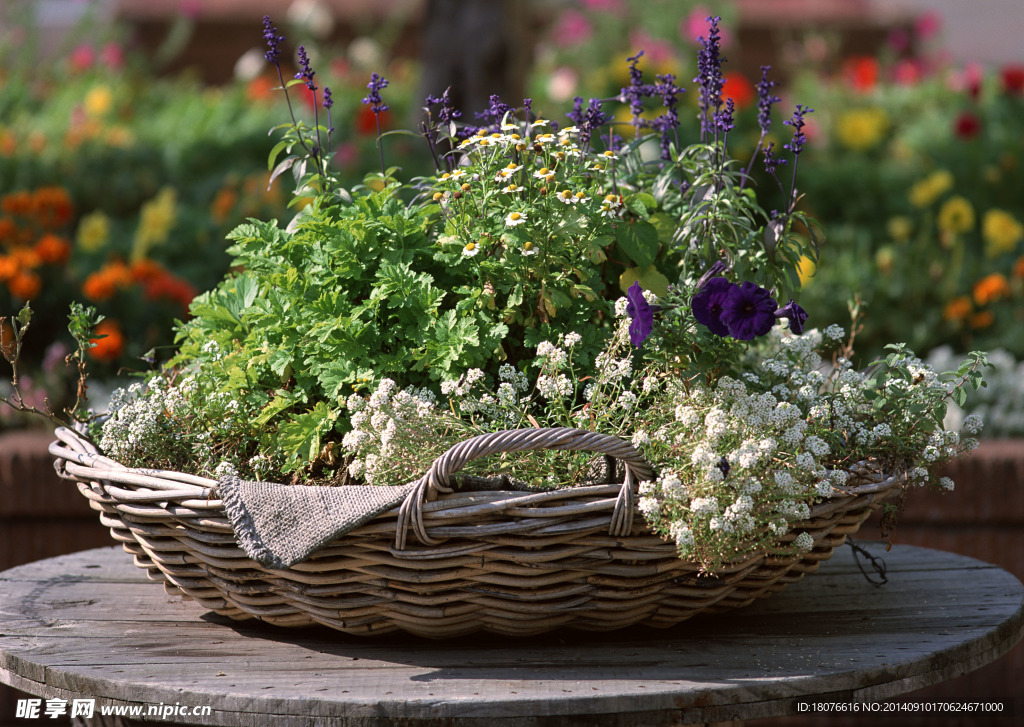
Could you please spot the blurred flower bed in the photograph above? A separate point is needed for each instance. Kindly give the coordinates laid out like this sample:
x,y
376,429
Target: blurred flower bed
x,y
918,179
117,188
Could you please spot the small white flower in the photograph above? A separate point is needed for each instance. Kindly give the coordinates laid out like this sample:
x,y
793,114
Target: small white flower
x,y
804,543
946,484
973,424
470,249
515,218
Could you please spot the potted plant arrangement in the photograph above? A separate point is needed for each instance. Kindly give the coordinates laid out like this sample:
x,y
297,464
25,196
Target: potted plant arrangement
x,y
428,406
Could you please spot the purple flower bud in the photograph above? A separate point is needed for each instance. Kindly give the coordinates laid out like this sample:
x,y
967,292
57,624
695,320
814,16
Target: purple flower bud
x,y
797,316
373,99
642,314
328,101
709,75
305,71
765,99
273,41
796,144
446,114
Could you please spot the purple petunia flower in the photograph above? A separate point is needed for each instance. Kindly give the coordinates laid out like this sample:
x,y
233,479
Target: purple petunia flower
x,y
641,313
797,316
708,303
748,311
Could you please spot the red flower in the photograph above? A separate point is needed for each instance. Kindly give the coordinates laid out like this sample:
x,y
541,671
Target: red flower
x,y
111,345
1013,80
967,125
861,73
366,121
737,87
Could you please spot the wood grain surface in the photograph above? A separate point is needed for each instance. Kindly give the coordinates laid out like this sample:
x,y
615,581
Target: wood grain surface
x,y
91,625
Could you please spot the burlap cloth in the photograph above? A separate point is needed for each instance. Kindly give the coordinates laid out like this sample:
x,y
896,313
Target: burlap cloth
x,y
281,525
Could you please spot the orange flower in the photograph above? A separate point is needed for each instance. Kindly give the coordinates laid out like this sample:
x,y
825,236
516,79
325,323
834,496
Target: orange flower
x,y
105,282
25,285
990,288
111,345
53,250
18,203
8,267
52,207
223,204
982,319
169,287
1018,268
8,231
957,309
26,257
145,270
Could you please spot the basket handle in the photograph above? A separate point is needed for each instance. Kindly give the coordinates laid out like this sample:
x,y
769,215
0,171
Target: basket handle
x,y
437,478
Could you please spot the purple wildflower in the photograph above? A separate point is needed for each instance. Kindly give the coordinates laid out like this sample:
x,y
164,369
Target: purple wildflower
x,y
796,144
305,71
723,118
748,311
708,303
642,314
771,160
593,119
328,101
576,115
797,316
274,41
373,99
447,113
765,99
709,75
668,123
636,91
493,114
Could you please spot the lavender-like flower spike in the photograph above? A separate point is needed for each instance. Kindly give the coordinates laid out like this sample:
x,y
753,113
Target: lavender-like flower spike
x,y
593,120
765,99
373,99
328,102
796,144
771,160
576,115
724,118
305,71
637,90
495,112
273,40
446,114
709,75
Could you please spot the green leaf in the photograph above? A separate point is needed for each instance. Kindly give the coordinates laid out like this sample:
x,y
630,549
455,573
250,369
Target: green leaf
x,y
649,278
639,240
301,435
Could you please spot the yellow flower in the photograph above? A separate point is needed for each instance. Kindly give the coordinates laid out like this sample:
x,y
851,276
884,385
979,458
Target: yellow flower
x,y
884,259
98,101
1002,232
805,269
931,188
93,232
155,222
861,129
900,228
956,216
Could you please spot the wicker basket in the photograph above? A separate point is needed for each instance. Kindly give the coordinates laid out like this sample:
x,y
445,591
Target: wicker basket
x,y
505,562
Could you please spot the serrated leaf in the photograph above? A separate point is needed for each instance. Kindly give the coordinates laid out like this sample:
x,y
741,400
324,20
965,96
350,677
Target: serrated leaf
x,y
301,435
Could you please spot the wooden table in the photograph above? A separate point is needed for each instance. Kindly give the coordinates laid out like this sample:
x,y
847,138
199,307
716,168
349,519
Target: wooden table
x,y
91,625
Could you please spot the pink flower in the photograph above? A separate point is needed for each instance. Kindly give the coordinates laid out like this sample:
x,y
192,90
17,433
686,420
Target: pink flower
x,y
82,58
928,25
112,56
695,25
572,28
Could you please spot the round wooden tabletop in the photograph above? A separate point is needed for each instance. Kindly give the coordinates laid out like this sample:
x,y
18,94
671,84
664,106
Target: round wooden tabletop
x,y
90,625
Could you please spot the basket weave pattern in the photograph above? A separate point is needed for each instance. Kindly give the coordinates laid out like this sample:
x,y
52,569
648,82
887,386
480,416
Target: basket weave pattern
x,y
506,562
